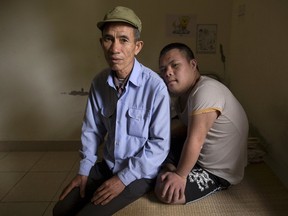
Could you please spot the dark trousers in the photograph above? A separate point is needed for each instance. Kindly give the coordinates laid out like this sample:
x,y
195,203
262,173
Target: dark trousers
x,y
73,204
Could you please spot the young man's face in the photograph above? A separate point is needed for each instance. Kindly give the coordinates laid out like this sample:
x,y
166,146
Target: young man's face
x,y
119,46
178,73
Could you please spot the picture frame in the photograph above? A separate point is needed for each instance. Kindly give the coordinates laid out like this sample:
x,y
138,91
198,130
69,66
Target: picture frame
x,y
206,38
182,25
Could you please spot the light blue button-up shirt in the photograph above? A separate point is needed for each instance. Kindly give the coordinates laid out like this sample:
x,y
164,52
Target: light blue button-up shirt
x,y
137,124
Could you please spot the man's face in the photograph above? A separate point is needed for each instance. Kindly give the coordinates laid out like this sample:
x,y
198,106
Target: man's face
x,y
177,72
119,46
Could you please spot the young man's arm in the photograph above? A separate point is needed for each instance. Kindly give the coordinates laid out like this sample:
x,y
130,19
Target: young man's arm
x,y
173,190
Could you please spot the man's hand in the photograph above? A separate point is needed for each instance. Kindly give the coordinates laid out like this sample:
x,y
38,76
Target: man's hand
x,y
107,191
171,188
78,181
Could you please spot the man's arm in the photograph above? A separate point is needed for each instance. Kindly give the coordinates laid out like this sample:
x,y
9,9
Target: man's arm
x,y
93,132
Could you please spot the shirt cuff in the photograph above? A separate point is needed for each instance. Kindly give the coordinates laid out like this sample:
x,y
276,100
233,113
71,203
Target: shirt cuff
x,y
126,176
85,167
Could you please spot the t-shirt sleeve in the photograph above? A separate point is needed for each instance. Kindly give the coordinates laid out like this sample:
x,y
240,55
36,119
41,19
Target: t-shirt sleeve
x,y
206,98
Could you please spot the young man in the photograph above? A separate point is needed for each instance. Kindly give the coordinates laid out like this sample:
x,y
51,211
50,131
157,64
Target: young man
x,y
209,145
128,104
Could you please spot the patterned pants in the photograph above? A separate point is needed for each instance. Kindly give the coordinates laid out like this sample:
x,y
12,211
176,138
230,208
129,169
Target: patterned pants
x,y
200,182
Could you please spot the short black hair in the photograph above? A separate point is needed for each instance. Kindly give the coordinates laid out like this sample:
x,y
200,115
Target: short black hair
x,y
181,47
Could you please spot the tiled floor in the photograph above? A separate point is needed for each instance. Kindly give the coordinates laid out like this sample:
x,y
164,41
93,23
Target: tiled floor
x,y
30,182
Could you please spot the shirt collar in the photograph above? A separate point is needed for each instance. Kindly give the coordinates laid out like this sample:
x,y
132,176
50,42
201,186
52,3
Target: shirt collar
x,y
135,76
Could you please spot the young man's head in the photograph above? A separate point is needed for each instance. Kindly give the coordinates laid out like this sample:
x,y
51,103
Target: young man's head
x,y
180,46
178,68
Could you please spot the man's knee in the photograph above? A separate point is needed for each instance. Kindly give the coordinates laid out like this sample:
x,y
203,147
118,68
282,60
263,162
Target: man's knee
x,y
69,205
60,209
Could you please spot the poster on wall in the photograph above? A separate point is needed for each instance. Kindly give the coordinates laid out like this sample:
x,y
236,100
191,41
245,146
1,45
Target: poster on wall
x,y
206,38
181,25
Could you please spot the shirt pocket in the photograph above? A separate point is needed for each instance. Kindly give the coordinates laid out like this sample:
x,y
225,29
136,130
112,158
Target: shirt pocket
x,y
137,123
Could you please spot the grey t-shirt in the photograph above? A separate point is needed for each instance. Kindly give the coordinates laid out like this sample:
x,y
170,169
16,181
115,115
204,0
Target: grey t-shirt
x,y
224,152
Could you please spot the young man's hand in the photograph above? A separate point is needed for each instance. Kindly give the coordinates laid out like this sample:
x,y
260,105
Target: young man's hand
x,y
171,188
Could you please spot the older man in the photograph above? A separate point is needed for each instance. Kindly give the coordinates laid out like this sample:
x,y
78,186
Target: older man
x,y
128,103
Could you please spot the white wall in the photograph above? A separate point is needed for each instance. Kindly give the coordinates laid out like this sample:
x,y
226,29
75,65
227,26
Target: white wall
x,y
49,48
258,73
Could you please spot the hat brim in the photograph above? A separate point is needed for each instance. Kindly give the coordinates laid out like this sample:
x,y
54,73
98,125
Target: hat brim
x,y
101,24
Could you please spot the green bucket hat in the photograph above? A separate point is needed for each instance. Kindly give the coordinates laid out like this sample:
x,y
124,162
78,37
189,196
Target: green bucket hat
x,y
121,14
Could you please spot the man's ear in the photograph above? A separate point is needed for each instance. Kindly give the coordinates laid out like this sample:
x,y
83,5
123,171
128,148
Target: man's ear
x,y
139,46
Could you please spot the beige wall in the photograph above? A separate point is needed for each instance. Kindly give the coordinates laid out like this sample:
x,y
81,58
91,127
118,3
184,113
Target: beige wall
x,y
49,48
258,73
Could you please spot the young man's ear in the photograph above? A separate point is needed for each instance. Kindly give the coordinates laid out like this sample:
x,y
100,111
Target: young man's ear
x,y
193,62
